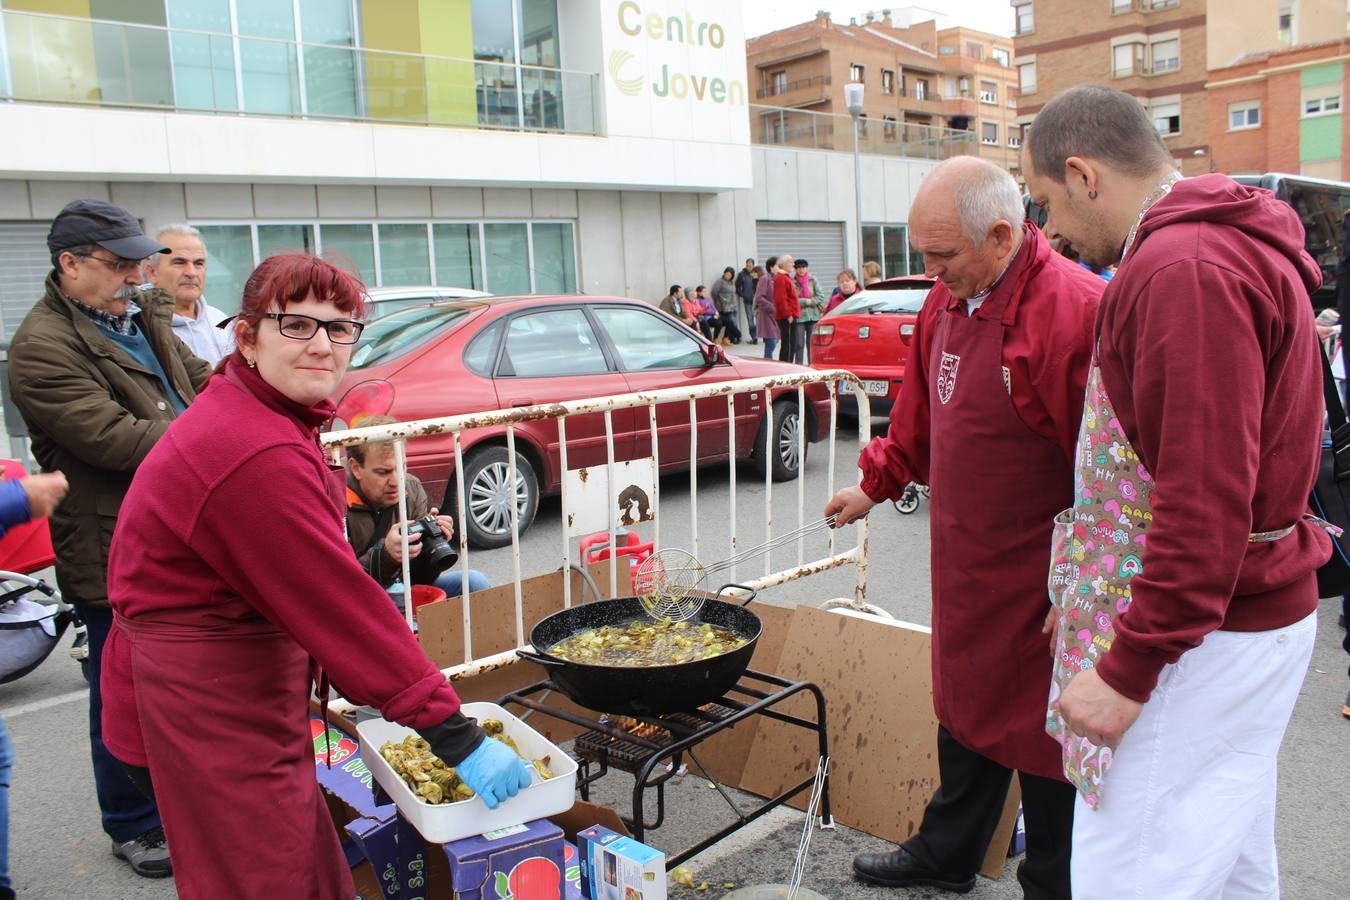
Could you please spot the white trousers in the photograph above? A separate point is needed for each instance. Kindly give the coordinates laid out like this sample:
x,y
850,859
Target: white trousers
x,y
1188,805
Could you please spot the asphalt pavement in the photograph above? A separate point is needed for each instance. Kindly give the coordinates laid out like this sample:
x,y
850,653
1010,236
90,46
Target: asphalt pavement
x,y
58,851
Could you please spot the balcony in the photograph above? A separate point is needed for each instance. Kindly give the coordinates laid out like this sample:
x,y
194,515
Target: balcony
x,y
928,102
93,62
813,87
775,126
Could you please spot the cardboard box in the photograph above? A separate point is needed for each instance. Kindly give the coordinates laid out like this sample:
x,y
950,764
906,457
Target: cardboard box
x,y
616,867
571,872
366,828
524,862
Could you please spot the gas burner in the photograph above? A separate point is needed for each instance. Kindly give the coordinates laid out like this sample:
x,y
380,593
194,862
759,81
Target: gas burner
x,y
652,748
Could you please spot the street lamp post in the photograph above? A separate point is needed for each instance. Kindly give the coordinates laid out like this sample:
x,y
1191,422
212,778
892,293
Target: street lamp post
x,y
853,98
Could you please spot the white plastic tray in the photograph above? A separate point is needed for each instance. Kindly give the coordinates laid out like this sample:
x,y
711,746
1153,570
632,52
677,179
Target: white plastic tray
x,y
444,822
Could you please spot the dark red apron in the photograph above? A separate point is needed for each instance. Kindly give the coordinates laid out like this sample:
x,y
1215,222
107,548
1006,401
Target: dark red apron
x,y
224,713
997,486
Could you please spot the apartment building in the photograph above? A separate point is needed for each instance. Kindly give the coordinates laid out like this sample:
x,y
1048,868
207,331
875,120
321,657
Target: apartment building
x,y
1210,73
1281,111
921,83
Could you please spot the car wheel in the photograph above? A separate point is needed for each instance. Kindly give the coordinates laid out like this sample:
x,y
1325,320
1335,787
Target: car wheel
x,y
786,458
487,502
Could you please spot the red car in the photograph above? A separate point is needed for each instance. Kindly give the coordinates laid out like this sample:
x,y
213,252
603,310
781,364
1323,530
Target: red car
x,y
471,355
869,335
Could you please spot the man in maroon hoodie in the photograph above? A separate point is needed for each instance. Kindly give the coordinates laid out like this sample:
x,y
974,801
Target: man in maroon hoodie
x,y
1201,433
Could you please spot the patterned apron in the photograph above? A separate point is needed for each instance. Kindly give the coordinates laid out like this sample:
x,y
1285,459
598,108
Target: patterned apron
x,y
1097,549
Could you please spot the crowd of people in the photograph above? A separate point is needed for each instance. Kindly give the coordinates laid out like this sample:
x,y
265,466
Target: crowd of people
x,y
782,301
209,546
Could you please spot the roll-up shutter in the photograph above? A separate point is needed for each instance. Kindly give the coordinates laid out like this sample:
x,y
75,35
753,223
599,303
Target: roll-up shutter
x,y
24,264
819,243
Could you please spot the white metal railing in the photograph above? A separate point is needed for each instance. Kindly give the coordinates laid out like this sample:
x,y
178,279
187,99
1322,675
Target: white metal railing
x,y
774,388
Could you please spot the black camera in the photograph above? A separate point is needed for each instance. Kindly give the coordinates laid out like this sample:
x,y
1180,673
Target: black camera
x,y
437,555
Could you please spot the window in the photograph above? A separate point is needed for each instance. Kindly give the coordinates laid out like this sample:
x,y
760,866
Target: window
x,y
555,264
459,262
988,92
229,260
1014,136
862,125
1127,59
775,128
778,83
921,89
551,344
354,244
1167,117
1001,56
890,128
1166,55
1246,114
649,340
889,246
1026,20
856,72
1026,78
888,81
975,50
1285,25
989,133
404,254
1121,6
506,254
947,50
1322,100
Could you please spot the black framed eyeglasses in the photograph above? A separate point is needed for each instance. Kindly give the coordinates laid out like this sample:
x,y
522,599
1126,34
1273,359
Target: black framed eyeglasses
x,y
302,328
119,265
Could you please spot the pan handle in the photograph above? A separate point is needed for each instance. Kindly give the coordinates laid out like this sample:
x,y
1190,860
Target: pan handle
x,y
753,593
542,660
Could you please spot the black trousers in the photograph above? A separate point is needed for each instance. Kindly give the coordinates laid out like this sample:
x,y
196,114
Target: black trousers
x,y
961,818
789,333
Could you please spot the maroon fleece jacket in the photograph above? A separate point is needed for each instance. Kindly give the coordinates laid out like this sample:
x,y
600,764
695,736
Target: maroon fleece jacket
x,y
1208,351
235,516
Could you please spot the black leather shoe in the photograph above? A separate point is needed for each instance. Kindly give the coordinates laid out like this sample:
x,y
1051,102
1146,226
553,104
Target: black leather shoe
x,y
899,869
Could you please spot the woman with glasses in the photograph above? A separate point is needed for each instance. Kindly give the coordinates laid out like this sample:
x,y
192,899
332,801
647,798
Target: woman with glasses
x,y
235,591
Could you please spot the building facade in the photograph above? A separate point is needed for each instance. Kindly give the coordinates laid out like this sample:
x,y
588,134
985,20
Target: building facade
x,y
513,146
1188,62
921,82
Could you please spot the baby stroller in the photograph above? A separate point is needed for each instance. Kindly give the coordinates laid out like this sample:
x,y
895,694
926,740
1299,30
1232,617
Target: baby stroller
x,y
30,630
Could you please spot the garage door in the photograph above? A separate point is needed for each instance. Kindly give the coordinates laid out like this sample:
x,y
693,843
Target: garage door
x,y
24,264
819,243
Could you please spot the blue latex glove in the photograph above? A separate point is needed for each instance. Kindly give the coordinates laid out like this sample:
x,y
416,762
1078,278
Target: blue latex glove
x,y
494,772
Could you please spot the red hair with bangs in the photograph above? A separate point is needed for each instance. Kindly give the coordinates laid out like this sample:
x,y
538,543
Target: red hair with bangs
x,y
289,277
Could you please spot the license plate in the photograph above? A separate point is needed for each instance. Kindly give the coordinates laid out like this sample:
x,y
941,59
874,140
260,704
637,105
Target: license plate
x,y
876,388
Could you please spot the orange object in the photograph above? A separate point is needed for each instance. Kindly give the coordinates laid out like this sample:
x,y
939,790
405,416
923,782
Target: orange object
x,y
26,547
422,594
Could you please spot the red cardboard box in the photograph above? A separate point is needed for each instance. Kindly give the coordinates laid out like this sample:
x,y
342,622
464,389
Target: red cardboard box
x,y
524,862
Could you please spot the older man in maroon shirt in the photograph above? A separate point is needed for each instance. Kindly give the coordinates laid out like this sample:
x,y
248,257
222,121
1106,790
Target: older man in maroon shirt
x,y
988,416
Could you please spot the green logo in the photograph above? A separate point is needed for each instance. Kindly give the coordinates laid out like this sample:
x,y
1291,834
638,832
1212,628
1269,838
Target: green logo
x,y
630,86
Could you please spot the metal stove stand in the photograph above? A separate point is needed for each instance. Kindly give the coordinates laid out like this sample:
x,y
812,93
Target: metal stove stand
x,y
667,739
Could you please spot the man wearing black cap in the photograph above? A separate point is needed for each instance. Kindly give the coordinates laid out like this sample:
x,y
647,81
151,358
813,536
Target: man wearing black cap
x,y
98,375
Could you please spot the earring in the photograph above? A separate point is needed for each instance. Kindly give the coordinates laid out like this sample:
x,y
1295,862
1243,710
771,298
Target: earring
x,y
253,364
1092,195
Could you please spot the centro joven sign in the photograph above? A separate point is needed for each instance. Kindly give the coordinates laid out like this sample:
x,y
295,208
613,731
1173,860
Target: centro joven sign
x,y
683,76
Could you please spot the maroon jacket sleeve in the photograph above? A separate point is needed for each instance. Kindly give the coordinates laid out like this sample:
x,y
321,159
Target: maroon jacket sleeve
x,y
901,455
1185,361
785,303
292,563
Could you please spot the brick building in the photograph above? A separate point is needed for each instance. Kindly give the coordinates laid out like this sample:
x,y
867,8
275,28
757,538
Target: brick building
x,y
919,80
1174,54
1281,112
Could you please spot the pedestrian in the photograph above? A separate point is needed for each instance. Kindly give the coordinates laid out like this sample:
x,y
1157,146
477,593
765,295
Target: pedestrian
x,y
21,500
787,310
988,415
182,272
846,286
234,583
706,313
746,282
871,272
726,299
674,305
1211,625
97,374
812,303
764,310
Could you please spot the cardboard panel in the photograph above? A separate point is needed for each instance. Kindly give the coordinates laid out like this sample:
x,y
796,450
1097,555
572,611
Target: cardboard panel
x,y
875,675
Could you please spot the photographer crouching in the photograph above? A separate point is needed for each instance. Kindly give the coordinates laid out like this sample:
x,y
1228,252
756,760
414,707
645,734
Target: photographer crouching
x,y
372,529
